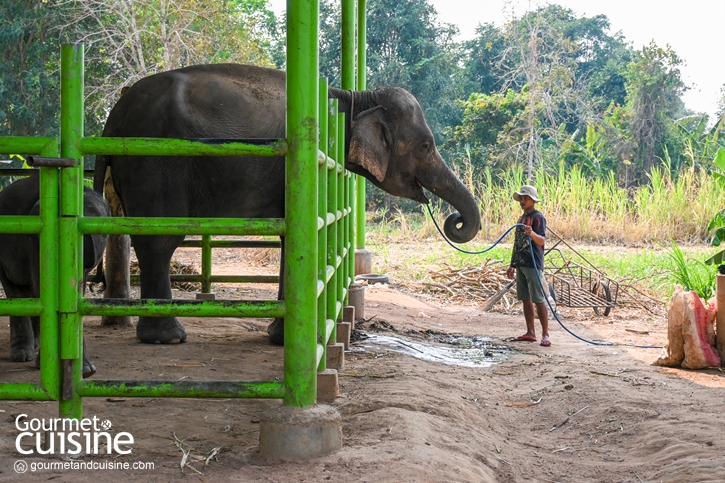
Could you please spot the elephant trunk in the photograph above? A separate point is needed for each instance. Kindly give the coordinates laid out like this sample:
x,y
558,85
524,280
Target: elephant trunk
x,y
459,227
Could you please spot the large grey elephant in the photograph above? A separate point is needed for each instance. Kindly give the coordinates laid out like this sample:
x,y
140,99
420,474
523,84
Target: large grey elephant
x,y
387,141
20,262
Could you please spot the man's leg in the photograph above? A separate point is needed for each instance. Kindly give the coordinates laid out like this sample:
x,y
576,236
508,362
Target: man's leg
x,y
543,318
529,316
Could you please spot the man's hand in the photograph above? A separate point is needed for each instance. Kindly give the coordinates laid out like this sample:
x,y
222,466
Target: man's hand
x,y
527,230
511,273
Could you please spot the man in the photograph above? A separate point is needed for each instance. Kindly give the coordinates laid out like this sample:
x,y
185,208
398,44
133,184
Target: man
x,y
528,284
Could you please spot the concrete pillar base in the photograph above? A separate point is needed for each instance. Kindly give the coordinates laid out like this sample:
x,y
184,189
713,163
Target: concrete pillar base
x,y
348,313
363,261
356,297
327,386
290,432
335,356
343,334
206,296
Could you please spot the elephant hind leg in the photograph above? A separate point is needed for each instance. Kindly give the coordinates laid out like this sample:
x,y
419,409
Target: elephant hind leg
x,y
276,331
154,256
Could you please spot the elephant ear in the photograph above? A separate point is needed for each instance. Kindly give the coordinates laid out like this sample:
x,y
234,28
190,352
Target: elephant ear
x,y
370,143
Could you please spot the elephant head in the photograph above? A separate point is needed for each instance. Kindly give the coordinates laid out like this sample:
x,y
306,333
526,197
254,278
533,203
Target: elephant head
x,y
390,143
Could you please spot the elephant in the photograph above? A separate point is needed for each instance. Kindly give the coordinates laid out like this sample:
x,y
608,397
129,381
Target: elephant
x,y
387,140
20,262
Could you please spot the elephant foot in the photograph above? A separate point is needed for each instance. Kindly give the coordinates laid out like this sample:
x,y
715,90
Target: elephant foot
x,y
276,331
160,330
22,353
88,367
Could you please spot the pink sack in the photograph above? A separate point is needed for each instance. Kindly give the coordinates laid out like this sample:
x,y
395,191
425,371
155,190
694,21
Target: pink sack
x,y
691,333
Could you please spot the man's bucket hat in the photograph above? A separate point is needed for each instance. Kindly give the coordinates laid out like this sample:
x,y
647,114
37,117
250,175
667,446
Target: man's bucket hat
x,y
526,190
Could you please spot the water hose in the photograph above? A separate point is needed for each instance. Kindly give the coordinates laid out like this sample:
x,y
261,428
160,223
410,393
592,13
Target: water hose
x,y
541,283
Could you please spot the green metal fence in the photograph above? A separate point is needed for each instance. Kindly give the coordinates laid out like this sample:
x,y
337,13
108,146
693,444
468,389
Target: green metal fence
x,y
318,229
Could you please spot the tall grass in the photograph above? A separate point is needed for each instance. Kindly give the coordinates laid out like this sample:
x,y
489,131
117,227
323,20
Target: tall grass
x,y
583,209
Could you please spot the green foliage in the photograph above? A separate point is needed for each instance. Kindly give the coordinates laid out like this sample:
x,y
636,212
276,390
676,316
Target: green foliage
x,y
406,47
654,86
488,129
29,77
691,274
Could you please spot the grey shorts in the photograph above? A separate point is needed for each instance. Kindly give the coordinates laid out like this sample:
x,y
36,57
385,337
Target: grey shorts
x,y
528,286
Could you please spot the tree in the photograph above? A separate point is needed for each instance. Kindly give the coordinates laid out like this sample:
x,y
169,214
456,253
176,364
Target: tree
x,y
481,60
654,88
488,135
29,80
406,47
129,40
543,59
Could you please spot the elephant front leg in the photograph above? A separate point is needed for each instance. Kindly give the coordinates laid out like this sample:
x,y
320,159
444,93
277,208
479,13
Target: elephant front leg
x,y
22,339
154,256
88,367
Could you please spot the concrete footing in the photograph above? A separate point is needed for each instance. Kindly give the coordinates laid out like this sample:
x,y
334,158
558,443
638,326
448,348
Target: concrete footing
x,y
356,297
363,261
327,386
290,432
343,334
335,356
206,296
348,313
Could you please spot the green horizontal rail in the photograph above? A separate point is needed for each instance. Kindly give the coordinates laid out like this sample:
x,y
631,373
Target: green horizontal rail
x,y
21,307
182,226
181,147
233,244
21,225
28,145
207,389
219,278
183,308
23,391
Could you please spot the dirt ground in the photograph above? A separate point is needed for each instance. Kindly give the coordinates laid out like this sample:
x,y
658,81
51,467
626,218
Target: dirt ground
x,y
572,412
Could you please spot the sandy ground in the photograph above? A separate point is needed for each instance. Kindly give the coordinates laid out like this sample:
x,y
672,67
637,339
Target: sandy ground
x,y
572,412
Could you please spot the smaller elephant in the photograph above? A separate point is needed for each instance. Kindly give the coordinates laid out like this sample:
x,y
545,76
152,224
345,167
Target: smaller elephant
x,y
20,263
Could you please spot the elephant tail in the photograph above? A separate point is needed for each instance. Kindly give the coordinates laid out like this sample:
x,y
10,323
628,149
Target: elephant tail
x,y
98,278
99,173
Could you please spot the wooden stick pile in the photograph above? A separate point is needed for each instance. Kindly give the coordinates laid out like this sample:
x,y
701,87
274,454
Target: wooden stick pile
x,y
469,283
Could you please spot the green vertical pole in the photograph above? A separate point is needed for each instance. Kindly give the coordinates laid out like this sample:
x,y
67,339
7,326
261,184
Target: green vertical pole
x,y
70,242
49,348
331,249
361,86
362,45
343,225
322,210
300,288
206,264
348,45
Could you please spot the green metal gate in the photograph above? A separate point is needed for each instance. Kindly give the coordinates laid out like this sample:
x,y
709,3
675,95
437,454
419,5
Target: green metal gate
x,y
318,225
